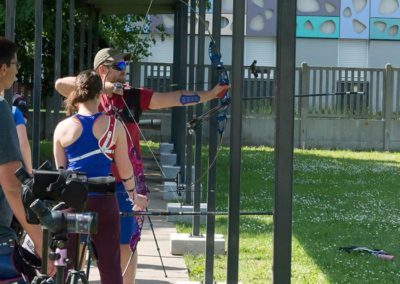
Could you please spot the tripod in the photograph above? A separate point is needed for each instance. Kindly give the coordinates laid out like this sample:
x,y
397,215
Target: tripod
x,y
59,256
92,252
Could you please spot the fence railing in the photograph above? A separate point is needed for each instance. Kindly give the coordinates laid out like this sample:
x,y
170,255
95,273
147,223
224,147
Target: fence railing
x,y
319,91
334,92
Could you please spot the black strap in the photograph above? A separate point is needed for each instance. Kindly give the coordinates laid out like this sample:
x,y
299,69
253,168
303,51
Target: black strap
x,y
132,99
102,188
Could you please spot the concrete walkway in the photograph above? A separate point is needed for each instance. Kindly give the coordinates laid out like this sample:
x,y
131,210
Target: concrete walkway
x,y
149,264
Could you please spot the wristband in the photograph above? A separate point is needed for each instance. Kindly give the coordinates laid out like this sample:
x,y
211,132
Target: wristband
x,y
189,99
127,179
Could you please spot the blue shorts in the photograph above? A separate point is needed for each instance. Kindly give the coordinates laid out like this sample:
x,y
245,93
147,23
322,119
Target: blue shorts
x,y
128,224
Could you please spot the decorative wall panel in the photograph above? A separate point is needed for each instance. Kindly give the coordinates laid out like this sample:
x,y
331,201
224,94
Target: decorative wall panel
x,y
261,17
385,9
319,27
384,28
318,7
354,19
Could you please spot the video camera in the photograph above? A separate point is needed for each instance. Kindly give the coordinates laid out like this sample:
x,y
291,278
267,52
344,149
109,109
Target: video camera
x,y
69,187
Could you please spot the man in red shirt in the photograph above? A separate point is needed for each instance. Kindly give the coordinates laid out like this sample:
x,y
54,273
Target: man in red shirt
x,y
128,103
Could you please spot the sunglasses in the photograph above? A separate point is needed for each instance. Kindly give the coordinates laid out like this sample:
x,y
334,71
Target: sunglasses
x,y
119,66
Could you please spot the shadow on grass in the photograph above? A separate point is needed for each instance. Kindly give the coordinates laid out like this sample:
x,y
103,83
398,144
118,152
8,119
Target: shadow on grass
x,y
340,199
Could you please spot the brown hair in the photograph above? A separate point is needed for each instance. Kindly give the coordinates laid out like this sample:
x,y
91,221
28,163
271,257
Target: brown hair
x,y
8,49
88,86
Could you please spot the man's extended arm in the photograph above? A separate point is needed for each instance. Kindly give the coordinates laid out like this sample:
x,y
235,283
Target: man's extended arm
x,y
159,100
186,98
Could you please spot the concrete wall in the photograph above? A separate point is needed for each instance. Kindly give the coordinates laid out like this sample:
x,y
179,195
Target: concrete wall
x,y
326,133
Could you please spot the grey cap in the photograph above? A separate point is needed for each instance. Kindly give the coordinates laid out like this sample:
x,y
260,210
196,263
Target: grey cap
x,y
110,55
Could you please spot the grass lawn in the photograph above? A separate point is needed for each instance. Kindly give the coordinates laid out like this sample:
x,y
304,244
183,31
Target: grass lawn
x,y
340,198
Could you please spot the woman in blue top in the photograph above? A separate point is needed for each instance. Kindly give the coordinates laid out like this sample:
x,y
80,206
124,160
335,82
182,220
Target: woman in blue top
x,y
89,141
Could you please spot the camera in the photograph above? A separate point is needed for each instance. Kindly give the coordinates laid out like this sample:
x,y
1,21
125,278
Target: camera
x,y
62,223
54,187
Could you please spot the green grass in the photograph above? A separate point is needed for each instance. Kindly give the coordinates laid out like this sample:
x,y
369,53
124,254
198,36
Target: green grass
x,y
340,198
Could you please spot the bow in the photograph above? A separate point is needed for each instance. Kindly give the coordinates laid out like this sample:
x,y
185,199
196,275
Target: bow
x,y
221,110
380,253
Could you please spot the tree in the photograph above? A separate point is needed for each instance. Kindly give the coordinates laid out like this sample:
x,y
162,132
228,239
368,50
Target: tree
x,y
128,32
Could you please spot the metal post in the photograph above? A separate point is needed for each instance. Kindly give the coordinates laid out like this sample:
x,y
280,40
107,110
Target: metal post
x,y
388,106
212,152
189,138
179,113
285,86
90,37
10,20
82,39
71,37
235,141
10,34
96,31
57,62
37,83
135,74
305,90
199,129
175,72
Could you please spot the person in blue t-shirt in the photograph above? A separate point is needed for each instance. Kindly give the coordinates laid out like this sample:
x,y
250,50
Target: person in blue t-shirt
x,y
25,148
10,161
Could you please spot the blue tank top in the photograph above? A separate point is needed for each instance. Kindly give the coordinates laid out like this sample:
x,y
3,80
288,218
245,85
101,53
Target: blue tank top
x,y
96,165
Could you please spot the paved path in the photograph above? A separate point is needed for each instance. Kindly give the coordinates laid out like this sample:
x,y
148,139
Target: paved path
x,y
149,267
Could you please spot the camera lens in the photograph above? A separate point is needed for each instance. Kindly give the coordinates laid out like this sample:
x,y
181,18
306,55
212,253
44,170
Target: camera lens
x,y
22,175
82,223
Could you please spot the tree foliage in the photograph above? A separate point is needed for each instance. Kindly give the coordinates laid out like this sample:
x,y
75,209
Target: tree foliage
x,y
128,32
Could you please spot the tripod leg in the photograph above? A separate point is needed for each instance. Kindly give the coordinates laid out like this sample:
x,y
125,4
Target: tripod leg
x,y
88,263
74,277
158,248
69,276
60,274
91,255
83,277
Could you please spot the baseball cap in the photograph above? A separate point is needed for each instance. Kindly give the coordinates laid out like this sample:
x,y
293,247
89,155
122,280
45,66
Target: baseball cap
x,y
111,55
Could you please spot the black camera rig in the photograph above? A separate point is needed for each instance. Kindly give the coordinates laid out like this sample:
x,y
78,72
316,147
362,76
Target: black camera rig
x,y
68,187
59,190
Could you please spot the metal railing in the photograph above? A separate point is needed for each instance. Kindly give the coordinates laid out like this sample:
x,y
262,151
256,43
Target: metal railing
x,y
334,92
320,91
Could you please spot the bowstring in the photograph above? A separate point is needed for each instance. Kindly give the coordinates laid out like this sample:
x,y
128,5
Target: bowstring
x,y
142,25
124,125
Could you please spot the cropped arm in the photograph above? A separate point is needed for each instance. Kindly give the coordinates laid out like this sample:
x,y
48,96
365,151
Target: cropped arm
x,y
65,86
25,147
